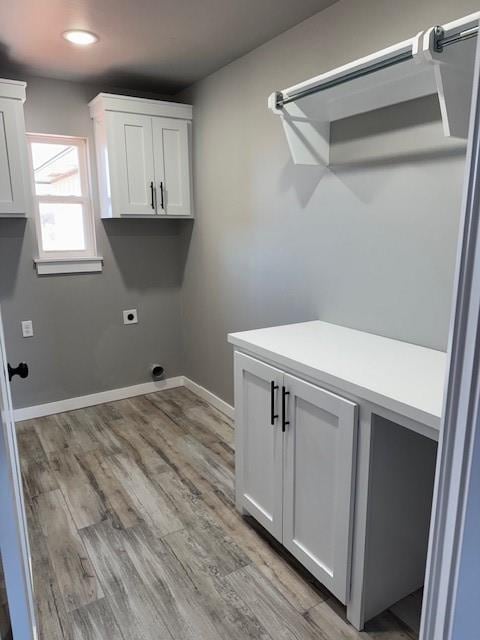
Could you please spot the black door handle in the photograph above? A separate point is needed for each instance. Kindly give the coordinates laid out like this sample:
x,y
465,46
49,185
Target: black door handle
x,y
21,370
161,195
285,422
153,197
273,415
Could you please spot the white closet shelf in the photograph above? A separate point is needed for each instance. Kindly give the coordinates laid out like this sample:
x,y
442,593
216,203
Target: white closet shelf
x,y
428,63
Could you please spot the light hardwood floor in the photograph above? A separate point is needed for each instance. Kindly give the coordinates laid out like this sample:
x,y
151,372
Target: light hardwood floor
x,y
134,534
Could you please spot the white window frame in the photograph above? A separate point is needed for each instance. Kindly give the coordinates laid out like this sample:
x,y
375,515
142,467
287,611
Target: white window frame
x,y
67,261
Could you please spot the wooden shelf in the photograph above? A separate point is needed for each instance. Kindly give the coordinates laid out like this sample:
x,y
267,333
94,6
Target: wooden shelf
x,y
405,71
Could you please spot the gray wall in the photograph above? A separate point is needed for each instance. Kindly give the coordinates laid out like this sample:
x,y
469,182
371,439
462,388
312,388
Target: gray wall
x,y
81,345
369,243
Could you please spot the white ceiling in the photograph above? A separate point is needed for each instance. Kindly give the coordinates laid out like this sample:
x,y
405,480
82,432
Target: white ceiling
x,y
162,44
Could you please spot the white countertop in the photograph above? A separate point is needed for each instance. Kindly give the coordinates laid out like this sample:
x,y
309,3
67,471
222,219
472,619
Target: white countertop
x,y
399,376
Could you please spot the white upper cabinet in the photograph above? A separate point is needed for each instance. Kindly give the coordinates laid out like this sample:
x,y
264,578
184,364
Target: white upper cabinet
x,y
13,146
143,157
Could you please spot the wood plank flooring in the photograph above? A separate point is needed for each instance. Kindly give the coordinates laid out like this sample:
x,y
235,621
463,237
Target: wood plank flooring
x,y
134,534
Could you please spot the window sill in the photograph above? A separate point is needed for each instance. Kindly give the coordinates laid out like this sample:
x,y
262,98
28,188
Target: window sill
x,y
52,266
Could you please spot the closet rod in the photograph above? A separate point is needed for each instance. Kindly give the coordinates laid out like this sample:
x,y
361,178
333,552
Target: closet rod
x,y
353,75
441,42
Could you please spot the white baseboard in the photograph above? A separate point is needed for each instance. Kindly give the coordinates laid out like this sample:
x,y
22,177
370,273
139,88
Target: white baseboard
x,y
70,404
210,397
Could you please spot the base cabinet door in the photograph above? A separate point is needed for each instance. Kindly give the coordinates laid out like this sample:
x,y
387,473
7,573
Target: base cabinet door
x,y
259,442
320,437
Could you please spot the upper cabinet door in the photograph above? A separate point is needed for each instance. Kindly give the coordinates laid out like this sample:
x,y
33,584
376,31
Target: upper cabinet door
x,y
259,442
172,166
319,473
131,164
12,158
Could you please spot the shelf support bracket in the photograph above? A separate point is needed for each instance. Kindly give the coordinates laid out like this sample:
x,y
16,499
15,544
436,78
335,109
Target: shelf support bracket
x,y
308,138
453,71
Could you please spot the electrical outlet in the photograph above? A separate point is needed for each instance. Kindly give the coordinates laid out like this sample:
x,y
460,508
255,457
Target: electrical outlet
x,y
27,328
130,316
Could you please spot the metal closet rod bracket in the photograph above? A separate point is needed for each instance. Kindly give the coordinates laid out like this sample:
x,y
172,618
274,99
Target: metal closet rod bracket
x,y
441,41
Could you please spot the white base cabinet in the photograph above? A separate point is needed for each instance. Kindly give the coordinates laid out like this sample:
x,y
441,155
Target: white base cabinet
x,y
295,453
336,435
143,157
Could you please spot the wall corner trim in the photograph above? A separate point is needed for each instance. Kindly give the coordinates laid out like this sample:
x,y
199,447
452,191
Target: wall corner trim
x,y
80,402
210,397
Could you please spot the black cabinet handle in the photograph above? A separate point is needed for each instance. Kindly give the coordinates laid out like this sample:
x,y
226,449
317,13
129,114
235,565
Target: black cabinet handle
x,y
285,422
153,197
161,195
21,370
273,415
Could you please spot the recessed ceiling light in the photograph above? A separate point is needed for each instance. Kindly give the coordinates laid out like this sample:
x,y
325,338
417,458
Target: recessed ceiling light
x,y
78,36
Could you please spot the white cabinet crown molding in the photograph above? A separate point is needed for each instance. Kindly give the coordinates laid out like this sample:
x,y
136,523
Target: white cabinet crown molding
x,y
142,106
14,89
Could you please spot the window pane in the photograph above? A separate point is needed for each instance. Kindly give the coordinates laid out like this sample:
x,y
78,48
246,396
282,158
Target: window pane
x,y
56,169
62,227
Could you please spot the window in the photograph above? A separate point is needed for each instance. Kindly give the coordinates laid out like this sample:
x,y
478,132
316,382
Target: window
x,y
63,210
